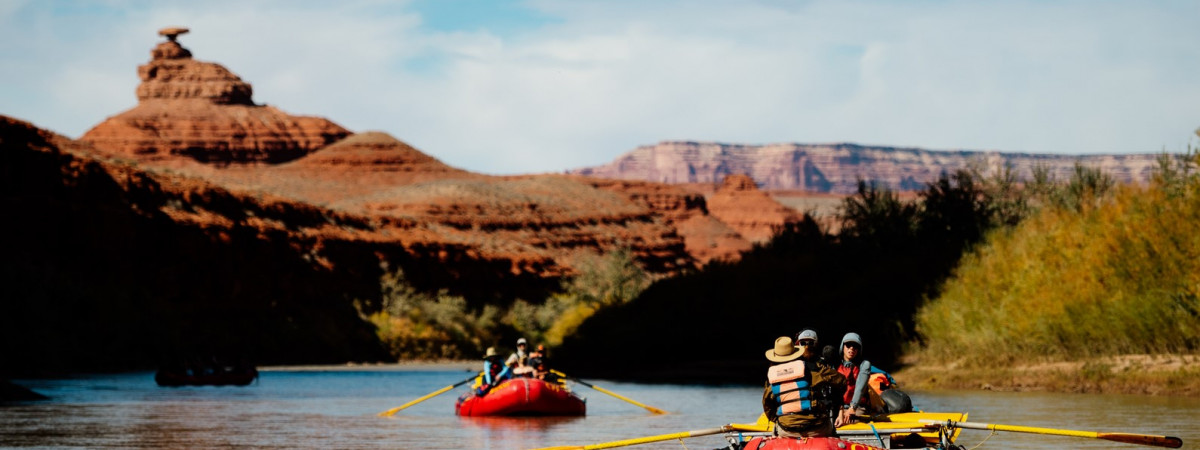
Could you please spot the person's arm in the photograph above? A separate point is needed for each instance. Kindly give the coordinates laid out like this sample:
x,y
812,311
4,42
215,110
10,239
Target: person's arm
x,y
833,381
487,373
769,404
860,385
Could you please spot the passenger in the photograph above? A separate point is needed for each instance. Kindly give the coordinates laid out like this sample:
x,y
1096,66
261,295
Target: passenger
x,y
494,371
801,393
538,361
519,360
864,382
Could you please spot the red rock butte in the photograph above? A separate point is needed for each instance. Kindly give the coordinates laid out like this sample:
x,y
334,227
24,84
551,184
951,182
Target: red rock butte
x,y
189,109
751,212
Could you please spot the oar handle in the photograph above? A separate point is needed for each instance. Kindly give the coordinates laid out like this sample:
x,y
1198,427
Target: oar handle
x,y
646,440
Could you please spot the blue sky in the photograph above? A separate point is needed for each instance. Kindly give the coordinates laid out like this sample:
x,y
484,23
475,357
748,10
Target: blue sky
x,y
543,86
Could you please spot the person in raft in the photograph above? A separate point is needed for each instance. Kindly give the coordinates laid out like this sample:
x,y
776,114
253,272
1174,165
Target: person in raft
x,y
538,360
518,362
802,394
494,372
865,383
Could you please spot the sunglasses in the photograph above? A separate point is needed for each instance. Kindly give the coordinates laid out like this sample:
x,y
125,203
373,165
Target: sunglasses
x,y
806,343
852,346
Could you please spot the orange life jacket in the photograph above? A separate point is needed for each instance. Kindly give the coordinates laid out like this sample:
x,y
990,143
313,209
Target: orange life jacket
x,y
790,388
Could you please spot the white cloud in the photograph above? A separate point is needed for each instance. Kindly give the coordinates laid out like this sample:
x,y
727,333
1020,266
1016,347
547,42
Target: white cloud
x,y
604,77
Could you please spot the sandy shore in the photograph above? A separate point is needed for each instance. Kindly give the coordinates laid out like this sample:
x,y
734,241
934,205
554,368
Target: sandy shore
x,y
1124,374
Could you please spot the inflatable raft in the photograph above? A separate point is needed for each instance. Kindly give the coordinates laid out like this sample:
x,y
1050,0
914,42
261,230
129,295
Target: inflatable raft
x,y
522,397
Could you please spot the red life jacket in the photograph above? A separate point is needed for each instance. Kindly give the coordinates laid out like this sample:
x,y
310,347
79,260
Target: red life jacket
x,y
790,387
851,374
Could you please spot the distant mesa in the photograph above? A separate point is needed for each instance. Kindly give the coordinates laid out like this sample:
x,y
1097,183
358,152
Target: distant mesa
x,y
837,168
201,111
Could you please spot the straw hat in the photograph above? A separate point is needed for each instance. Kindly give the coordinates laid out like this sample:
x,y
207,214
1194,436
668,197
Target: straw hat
x,y
491,351
784,351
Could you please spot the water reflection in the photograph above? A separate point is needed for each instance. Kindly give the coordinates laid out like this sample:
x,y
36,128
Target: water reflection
x,y
338,409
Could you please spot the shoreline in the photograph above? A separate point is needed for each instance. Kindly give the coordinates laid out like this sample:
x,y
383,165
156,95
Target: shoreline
x,y
1165,375
415,365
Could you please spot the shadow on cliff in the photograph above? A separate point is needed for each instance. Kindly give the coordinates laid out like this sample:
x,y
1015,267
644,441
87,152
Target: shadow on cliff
x,y
97,276
714,325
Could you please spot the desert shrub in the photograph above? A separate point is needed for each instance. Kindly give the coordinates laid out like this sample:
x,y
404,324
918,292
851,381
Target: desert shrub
x,y
415,324
603,281
877,216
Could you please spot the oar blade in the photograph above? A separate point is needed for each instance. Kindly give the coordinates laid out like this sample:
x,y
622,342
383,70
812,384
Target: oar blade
x,y
1143,439
428,396
652,409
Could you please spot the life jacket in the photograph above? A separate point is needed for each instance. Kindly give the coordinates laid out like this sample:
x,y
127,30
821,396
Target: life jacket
x,y
790,387
494,371
851,374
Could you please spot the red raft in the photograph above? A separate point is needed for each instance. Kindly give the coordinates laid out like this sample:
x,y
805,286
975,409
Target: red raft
x,y
816,443
522,397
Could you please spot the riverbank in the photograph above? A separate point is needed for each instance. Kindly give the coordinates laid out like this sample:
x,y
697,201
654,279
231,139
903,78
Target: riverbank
x,y
1174,375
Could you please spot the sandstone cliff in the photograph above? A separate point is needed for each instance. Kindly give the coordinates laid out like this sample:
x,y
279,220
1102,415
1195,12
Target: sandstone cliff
x,y
202,111
751,212
836,168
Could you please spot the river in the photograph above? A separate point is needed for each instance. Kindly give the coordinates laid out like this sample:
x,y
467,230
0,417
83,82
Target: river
x,y
337,408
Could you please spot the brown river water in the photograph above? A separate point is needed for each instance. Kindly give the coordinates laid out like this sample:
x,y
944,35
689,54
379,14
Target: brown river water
x,y
338,407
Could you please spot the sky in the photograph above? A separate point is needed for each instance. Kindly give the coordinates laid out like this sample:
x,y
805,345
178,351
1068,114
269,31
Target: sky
x,y
507,87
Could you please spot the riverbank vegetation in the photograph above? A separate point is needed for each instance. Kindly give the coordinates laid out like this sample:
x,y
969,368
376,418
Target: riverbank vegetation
x,y
1111,274
415,324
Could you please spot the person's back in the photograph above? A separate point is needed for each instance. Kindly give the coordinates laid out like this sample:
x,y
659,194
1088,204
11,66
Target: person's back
x,y
797,396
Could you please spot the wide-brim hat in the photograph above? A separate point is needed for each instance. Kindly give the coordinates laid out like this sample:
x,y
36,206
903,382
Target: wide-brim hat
x,y
491,351
784,351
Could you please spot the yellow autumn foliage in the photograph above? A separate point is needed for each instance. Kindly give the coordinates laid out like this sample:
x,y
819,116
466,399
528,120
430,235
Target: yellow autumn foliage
x,y
1122,276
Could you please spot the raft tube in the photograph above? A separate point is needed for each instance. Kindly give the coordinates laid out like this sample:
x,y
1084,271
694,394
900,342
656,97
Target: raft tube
x,y
815,443
522,397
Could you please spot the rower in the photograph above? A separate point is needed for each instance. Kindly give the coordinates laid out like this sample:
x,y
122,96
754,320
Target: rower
x,y
801,393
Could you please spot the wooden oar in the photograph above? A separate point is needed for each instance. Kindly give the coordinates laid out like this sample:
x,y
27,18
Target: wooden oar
x,y
433,394
606,391
1128,438
663,437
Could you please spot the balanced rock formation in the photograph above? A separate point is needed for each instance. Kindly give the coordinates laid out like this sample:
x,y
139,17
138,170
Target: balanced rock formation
x,y
836,168
202,111
753,213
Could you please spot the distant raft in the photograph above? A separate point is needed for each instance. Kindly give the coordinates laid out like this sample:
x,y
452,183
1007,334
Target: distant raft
x,y
226,376
522,397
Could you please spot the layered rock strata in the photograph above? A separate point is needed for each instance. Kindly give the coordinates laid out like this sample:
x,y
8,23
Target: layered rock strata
x,y
202,111
753,213
836,168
